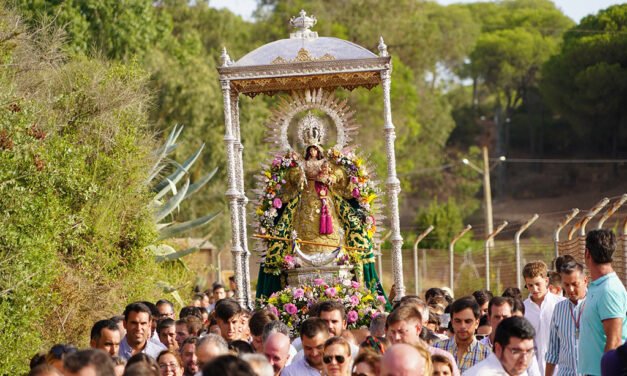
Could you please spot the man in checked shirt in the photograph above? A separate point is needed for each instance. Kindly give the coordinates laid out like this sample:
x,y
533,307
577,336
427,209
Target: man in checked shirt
x,y
566,320
464,346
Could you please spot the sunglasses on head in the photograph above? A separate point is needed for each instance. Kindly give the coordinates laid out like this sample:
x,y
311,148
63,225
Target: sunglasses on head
x,y
327,359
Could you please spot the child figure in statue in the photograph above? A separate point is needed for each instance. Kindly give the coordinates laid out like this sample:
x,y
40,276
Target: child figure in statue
x,y
324,180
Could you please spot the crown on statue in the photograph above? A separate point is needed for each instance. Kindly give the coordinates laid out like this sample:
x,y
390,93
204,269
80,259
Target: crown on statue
x,y
311,130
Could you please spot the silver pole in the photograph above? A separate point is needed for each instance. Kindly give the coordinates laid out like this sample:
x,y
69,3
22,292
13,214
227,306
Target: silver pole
x,y
451,250
487,253
393,184
417,280
232,192
556,235
522,229
610,212
242,200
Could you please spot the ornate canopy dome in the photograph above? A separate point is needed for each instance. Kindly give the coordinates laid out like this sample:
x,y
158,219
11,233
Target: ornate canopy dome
x,y
327,62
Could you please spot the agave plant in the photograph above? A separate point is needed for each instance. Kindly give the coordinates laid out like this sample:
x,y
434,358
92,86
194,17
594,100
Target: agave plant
x,y
169,194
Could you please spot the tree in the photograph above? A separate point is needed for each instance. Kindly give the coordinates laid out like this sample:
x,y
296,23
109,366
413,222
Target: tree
x,y
586,82
75,152
517,38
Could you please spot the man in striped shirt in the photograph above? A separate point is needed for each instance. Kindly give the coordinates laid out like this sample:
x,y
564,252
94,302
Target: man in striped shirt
x,y
566,320
464,346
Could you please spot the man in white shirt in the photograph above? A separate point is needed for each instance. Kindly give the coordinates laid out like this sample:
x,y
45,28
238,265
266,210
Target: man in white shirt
x,y
539,306
313,334
499,309
513,350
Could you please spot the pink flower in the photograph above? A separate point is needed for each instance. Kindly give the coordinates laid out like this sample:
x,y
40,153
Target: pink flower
x,y
330,292
355,284
356,193
375,314
381,298
319,281
354,179
299,293
277,203
352,317
354,300
288,258
290,308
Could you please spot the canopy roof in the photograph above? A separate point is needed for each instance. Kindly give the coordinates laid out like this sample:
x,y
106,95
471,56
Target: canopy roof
x,y
304,61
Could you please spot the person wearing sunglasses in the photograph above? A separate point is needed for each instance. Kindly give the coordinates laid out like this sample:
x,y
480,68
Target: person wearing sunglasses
x,y
336,357
513,350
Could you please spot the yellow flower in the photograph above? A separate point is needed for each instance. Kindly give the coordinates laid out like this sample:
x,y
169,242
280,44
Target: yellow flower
x,y
259,211
371,197
267,174
359,162
273,300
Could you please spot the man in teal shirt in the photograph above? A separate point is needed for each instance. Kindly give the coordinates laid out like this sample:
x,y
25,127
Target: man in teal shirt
x,y
603,324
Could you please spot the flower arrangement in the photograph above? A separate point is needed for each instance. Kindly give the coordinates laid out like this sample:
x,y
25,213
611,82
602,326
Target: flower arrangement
x,y
274,178
292,304
361,186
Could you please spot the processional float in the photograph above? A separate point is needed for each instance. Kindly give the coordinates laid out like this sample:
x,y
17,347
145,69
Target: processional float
x,y
316,211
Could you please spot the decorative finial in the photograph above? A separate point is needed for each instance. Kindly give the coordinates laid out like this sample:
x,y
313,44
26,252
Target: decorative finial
x,y
302,24
225,58
383,49
311,130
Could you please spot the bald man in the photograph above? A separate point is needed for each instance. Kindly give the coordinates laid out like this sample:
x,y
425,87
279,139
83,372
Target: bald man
x,y
277,350
403,360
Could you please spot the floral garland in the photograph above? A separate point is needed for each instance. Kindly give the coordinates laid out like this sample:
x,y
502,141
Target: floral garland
x,y
361,186
274,178
292,304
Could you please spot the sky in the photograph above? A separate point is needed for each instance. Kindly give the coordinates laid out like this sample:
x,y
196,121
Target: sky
x,y
575,9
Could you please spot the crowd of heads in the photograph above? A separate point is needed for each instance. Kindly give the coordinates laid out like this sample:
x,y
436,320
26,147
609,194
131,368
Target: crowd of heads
x,y
429,335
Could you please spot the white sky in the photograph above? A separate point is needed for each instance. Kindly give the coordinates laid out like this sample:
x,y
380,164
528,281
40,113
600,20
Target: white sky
x,y
575,9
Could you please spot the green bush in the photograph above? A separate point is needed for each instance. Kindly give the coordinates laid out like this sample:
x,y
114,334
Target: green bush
x,y
75,151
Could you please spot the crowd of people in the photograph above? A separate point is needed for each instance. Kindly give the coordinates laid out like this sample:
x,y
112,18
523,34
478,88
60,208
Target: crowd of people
x,y
573,322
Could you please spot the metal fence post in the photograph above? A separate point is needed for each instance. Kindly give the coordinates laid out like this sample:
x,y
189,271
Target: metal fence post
x,y
594,211
610,212
517,243
418,282
451,249
560,226
487,253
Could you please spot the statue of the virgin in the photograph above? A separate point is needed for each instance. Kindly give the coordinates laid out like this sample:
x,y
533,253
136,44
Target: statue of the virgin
x,y
316,199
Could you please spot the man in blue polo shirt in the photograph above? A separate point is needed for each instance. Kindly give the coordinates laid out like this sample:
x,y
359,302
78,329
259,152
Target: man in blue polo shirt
x,y
604,325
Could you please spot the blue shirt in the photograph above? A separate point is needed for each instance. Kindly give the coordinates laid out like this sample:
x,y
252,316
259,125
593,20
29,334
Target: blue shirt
x,y
563,342
607,299
152,349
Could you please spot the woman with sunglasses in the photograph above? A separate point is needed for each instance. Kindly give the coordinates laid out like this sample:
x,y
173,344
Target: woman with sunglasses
x,y
336,357
170,363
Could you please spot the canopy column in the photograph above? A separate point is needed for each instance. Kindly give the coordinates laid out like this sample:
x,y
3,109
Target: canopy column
x,y
393,186
242,200
232,193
